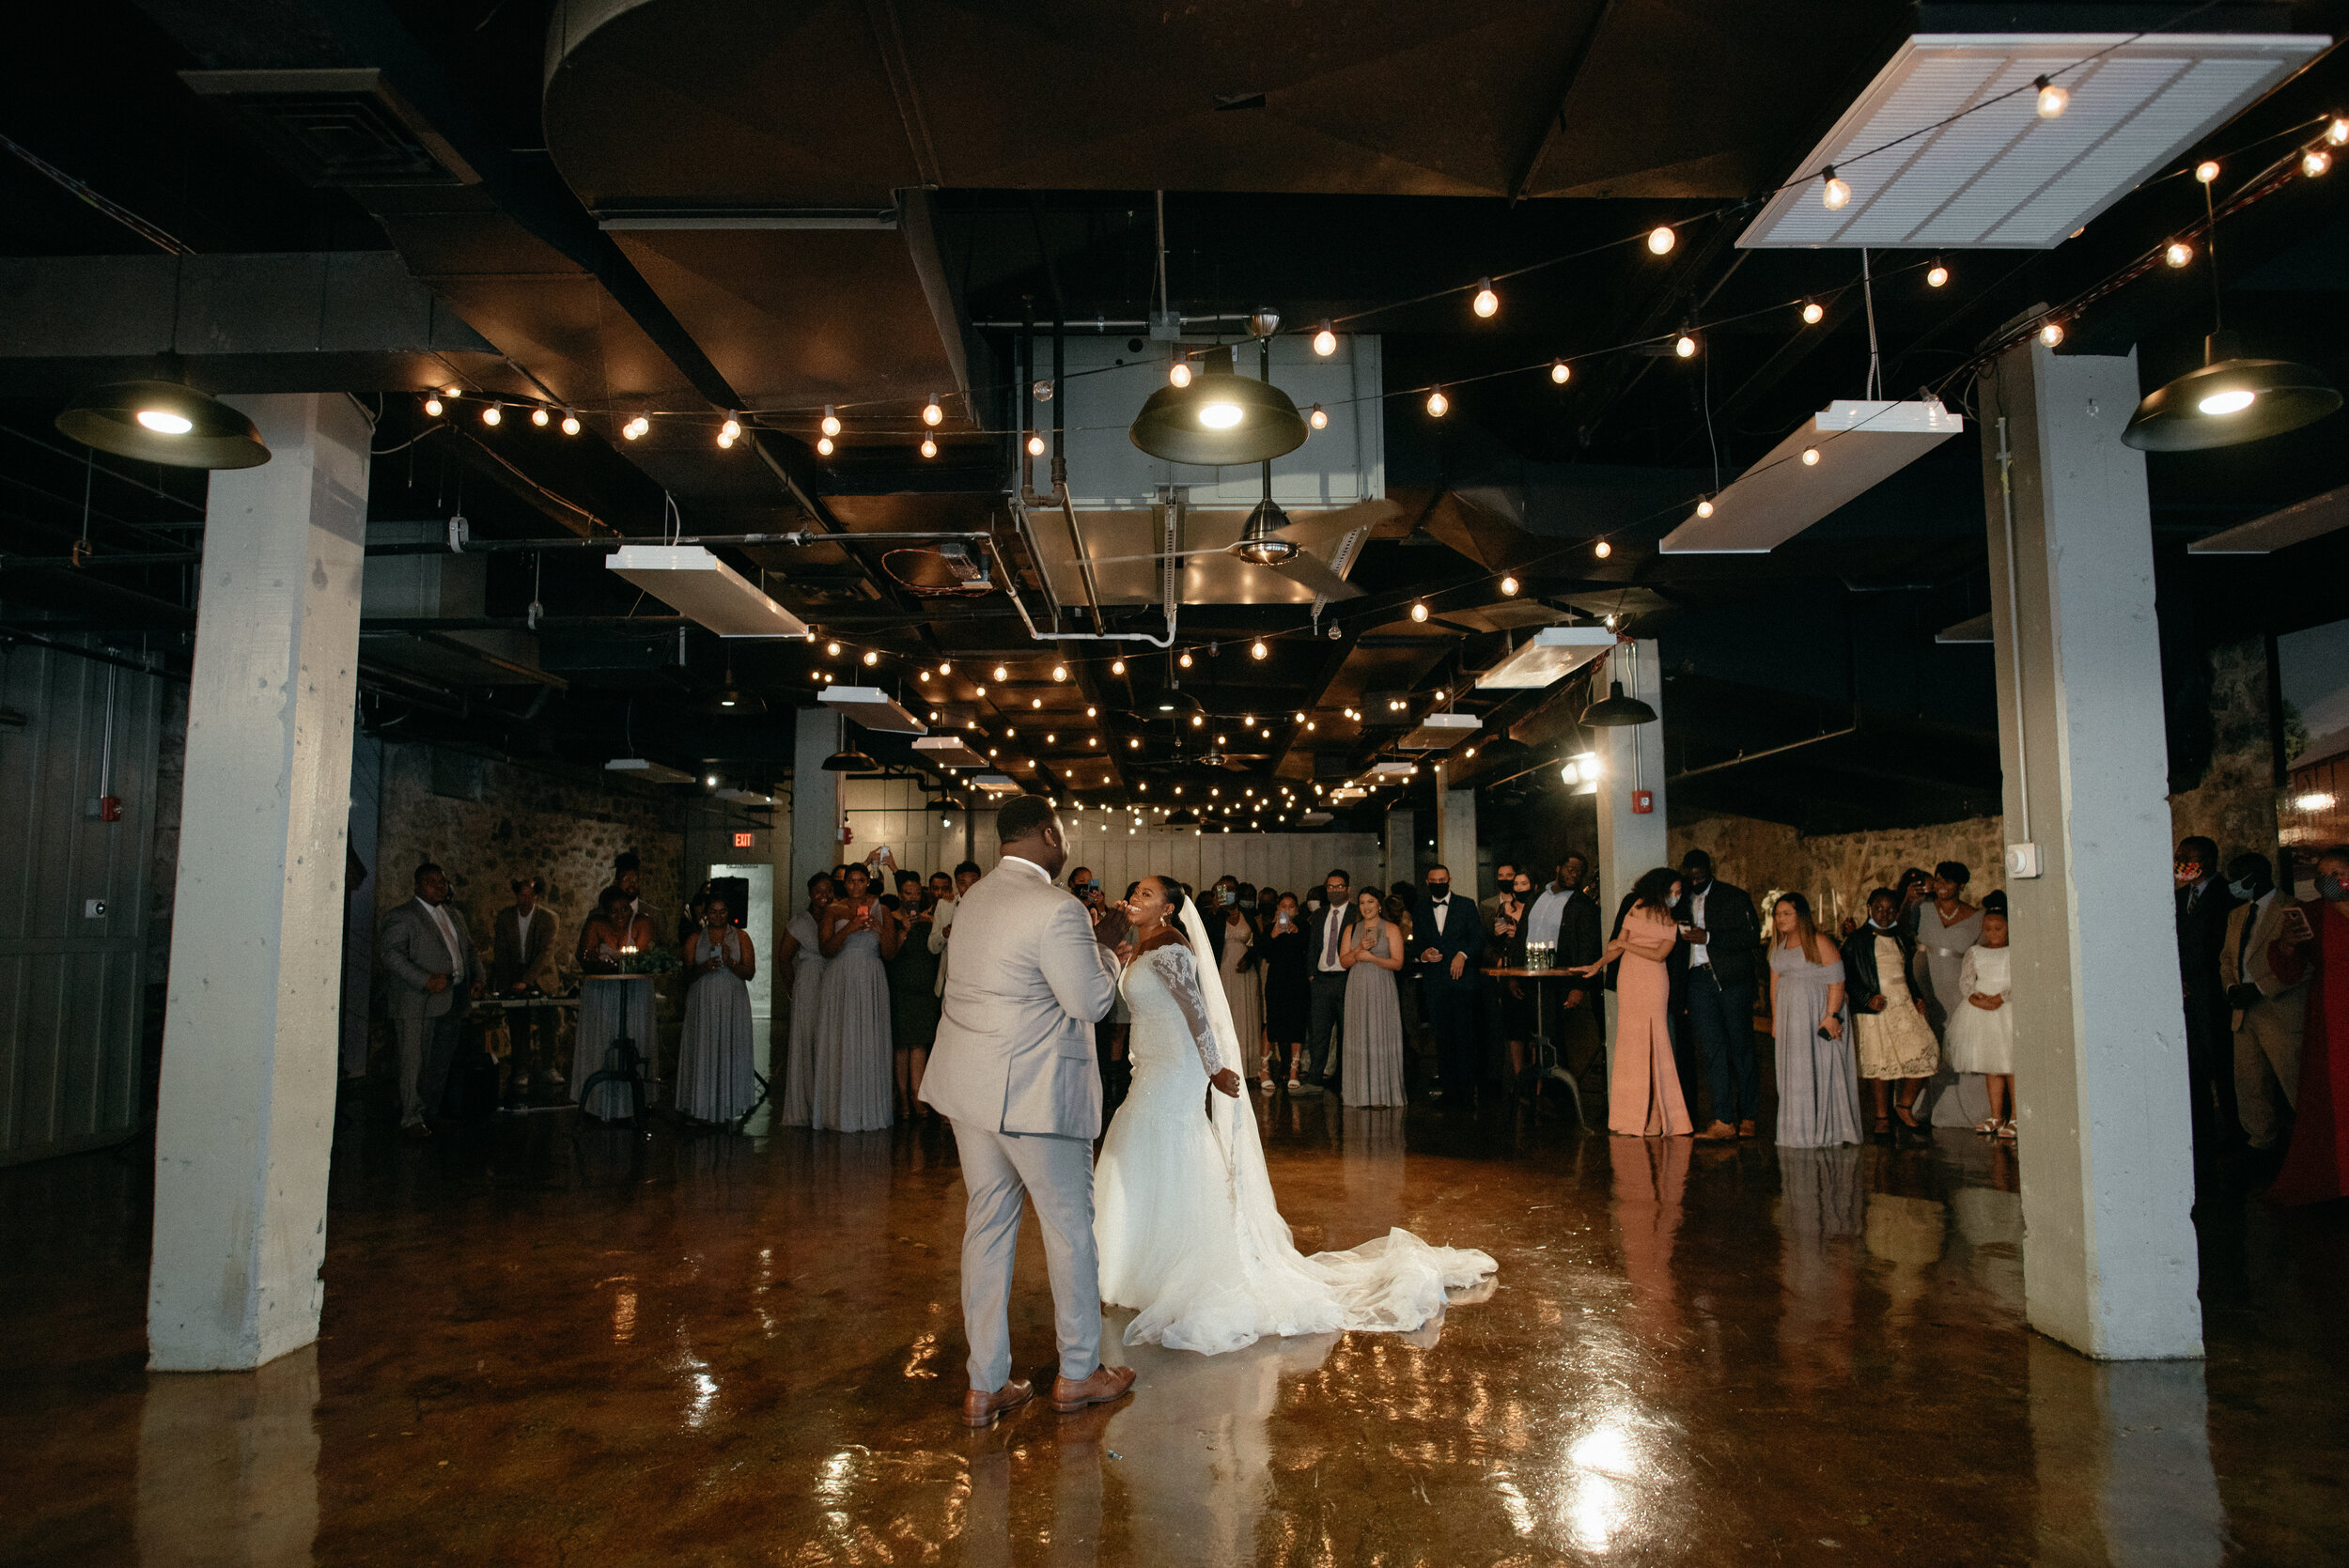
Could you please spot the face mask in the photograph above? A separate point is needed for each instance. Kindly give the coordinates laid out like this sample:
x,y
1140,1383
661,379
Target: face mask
x,y
1247,903
1438,890
2332,889
2244,891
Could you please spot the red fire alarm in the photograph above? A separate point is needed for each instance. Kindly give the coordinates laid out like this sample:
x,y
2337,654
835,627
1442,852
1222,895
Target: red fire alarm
x,y
110,808
743,841
1643,802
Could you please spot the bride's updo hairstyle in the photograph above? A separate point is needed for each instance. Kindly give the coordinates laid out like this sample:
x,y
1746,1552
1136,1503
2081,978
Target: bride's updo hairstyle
x,y
1173,892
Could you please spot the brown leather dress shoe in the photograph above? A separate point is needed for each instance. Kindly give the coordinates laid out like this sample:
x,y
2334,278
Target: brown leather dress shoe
x,y
1106,1384
981,1408
1745,1129
1720,1132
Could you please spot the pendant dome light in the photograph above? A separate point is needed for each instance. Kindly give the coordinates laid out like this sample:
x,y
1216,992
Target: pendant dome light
x,y
1220,419
850,761
1613,711
1260,543
162,422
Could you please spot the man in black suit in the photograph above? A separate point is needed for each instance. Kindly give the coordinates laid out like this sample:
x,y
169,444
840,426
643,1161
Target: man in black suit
x,y
1565,916
1720,930
2203,905
1449,936
1324,933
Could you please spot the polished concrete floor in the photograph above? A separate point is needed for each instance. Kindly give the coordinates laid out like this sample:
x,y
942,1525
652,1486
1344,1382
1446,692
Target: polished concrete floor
x,y
548,1344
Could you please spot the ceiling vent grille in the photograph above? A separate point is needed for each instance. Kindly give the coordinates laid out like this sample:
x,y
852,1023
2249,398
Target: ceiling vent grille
x,y
336,127
2002,178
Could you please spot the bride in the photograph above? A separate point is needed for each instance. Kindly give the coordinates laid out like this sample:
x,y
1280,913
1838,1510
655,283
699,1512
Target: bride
x,y
1185,1219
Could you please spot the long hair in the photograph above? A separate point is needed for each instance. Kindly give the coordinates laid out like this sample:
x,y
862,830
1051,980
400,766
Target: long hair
x,y
1806,929
1655,888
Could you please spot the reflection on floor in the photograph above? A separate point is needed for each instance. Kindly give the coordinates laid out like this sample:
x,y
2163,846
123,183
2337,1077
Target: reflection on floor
x,y
552,1344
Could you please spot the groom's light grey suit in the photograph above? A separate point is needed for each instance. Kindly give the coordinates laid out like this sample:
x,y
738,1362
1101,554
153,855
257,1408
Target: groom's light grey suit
x,y
1013,1068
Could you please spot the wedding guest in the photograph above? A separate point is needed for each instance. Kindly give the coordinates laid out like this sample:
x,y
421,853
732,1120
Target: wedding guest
x,y
1818,1095
1718,923
1685,1065
852,1041
1288,995
1947,927
1895,1043
1980,1036
428,956
1450,940
2316,1163
610,1008
802,960
1566,918
1644,1096
1232,935
2268,1012
2202,906
914,1010
967,877
522,944
1506,950
628,875
1504,881
1372,953
1325,932
1915,887
716,1080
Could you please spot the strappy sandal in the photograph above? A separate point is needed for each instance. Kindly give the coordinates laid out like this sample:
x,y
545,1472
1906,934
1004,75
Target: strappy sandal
x,y
2006,1132
1987,1127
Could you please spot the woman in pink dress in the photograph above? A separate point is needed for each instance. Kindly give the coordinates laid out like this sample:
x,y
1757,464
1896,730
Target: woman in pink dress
x,y
1643,1086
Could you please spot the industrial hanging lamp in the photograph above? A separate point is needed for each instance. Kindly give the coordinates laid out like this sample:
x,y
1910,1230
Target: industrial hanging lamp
x,y
850,761
2231,399
1220,419
1261,544
1613,711
162,422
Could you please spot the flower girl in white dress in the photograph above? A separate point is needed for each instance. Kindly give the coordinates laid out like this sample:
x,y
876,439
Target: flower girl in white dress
x,y
1980,1033
1185,1221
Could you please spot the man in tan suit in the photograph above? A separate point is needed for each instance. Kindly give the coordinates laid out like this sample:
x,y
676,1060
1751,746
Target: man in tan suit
x,y
2267,1011
1013,1070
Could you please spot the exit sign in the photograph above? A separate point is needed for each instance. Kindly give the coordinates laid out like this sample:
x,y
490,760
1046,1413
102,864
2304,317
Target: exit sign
x,y
743,841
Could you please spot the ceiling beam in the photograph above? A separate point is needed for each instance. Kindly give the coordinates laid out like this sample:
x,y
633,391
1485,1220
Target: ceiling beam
x,y
1570,78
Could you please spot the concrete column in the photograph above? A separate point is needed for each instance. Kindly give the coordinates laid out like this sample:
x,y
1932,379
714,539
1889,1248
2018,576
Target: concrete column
x,y
2101,1088
815,799
1402,848
250,1028
1455,831
1631,758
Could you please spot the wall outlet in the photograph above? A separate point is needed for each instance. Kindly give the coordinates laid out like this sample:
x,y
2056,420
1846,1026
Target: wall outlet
x,y
93,909
2022,860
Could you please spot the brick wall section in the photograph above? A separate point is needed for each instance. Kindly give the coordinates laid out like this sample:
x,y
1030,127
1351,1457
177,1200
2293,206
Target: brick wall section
x,y
1836,871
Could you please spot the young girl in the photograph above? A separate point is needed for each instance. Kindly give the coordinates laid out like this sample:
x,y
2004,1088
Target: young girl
x,y
1981,1033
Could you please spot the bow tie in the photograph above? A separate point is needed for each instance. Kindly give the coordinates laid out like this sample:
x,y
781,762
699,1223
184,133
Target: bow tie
x,y
1444,899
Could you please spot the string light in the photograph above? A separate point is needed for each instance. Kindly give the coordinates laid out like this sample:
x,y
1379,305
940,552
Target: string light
x,y
2338,131
635,427
1178,374
1092,712
1685,346
2052,333
1438,404
1602,550
1813,312
832,650
1184,660
823,445
492,415
929,447
1060,671
1117,666
539,416
1325,341
2053,99
729,432
1002,673
1937,274
1486,304
2207,170
1810,457
1419,610
1509,587
932,414
433,406
570,422
1036,447
1660,239
2315,161
871,658
830,425
945,666
1258,650
1704,509
2178,253
1835,193
1319,418
1561,372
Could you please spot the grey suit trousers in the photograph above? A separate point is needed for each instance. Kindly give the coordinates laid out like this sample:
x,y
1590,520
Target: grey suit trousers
x,y
427,1047
998,1168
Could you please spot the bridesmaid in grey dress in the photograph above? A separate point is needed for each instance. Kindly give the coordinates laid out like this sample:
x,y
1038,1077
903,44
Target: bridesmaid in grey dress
x,y
1818,1082
715,1080
1372,953
1947,926
802,959
852,1055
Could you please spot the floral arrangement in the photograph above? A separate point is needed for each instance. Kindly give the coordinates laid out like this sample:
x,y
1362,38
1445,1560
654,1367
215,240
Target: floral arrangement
x,y
656,960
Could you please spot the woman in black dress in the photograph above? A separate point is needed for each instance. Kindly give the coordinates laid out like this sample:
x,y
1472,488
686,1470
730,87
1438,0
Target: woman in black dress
x,y
1288,1001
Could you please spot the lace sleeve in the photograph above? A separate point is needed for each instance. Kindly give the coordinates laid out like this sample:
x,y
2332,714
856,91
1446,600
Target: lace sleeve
x,y
1180,972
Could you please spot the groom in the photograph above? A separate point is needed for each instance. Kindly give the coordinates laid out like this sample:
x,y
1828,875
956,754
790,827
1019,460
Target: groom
x,y
1013,1069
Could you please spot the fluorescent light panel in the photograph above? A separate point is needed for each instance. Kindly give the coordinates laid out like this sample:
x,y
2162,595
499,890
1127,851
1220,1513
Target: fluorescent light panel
x,y
650,773
1861,444
1441,730
1546,657
699,587
872,708
948,751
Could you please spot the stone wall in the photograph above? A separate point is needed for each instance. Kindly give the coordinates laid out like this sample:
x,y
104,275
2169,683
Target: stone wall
x,y
2235,802
1836,871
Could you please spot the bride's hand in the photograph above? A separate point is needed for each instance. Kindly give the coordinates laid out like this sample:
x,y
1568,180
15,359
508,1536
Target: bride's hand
x,y
1227,1081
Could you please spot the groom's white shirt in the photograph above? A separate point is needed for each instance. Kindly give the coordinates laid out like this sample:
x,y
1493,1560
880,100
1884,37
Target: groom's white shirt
x,y
1025,984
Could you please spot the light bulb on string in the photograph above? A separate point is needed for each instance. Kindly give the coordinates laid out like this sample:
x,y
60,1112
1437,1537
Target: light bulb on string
x,y
1438,404
492,415
2053,99
824,445
1685,346
2207,170
2052,333
570,422
452,393
871,658
1938,275
945,666
1602,550
1810,457
1561,372
1325,341
2337,132
433,406
1258,650
932,414
1835,192
1813,312
832,650
1319,418
2315,161
1060,671
1509,587
1178,374
636,429
1704,509
1419,610
1002,673
1036,447
1660,239
1486,304
929,447
830,421
729,431
539,416
2178,253
1184,660
1117,666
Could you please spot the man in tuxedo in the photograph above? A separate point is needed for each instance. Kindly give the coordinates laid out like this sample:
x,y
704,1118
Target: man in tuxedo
x,y
1564,917
1325,934
1720,930
428,956
2203,903
1449,934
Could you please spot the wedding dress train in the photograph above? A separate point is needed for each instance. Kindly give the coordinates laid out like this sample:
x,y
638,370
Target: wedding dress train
x,y
1185,1221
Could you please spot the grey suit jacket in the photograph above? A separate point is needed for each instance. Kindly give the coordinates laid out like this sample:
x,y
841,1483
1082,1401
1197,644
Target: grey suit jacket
x,y
412,952
1026,984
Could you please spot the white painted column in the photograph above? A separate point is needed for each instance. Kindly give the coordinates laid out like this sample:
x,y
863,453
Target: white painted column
x,y
2101,1087
815,799
1401,862
250,1026
1455,831
1631,759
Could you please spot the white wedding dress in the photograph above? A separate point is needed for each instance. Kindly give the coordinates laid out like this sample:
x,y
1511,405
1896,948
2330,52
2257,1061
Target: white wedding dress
x,y
1184,1216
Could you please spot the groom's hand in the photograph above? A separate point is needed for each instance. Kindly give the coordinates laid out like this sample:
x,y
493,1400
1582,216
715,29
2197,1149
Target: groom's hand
x,y
1110,925
1227,1081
